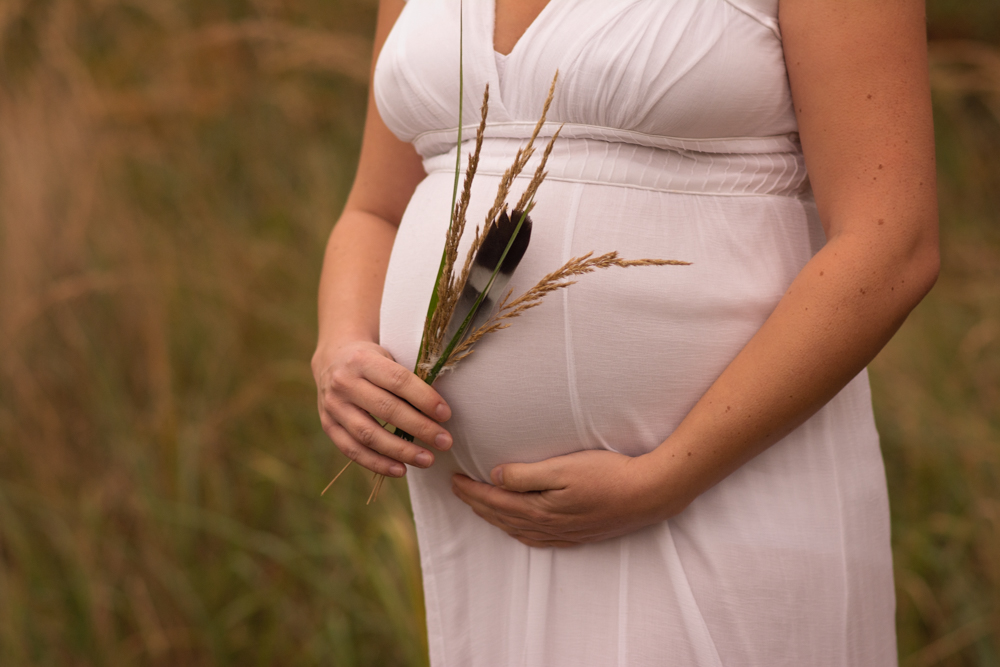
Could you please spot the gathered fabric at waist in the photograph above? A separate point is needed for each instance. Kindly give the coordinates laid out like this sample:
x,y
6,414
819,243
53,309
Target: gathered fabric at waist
x,y
666,169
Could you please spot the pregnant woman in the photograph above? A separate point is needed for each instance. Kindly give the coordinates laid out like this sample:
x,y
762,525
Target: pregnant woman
x,y
695,444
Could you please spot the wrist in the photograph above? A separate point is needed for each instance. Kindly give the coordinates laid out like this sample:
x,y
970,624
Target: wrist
x,y
669,479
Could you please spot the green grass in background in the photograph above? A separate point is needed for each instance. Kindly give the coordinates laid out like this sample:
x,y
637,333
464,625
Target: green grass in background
x,y
937,387
168,174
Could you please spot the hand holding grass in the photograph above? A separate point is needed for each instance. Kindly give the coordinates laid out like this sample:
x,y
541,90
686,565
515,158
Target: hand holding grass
x,y
360,380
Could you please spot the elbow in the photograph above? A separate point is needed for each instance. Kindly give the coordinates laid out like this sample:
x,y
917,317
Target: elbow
x,y
922,266
930,268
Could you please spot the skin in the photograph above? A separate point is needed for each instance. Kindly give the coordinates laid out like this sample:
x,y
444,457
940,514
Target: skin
x,y
858,73
512,19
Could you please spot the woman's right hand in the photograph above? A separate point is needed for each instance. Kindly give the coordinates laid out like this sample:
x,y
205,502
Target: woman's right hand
x,y
360,379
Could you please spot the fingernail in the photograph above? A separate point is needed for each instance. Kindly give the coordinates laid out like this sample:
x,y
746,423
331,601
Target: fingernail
x,y
442,441
397,470
497,476
423,459
442,412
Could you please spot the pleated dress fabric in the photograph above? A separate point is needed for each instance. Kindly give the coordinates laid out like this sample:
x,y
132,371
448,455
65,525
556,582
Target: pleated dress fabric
x,y
679,141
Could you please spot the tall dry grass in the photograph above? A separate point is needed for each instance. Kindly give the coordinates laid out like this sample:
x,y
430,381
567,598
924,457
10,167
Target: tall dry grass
x,y
937,388
168,174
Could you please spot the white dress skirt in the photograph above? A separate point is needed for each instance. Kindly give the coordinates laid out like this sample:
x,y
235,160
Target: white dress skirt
x,y
679,142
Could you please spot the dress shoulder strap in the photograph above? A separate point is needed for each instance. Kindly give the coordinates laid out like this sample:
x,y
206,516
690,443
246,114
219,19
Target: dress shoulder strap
x,y
764,12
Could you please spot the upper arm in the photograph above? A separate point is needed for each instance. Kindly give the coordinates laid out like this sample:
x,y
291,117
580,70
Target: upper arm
x,y
388,169
859,81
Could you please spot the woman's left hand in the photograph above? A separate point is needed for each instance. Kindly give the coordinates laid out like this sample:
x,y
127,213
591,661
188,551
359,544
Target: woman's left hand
x,y
564,501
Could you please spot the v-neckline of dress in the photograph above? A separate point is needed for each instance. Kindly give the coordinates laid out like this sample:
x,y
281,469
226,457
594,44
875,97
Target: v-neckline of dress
x,y
488,21
527,31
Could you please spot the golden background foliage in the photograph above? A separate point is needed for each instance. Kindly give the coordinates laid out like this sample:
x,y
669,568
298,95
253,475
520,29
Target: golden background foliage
x,y
168,174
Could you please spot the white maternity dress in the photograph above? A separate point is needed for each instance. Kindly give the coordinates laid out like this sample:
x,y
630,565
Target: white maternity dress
x,y
679,142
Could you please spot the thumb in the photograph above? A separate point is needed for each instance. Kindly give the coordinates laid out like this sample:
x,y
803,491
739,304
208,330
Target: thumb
x,y
522,477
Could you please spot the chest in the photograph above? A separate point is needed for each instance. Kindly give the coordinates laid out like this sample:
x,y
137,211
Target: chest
x,y
511,19
679,68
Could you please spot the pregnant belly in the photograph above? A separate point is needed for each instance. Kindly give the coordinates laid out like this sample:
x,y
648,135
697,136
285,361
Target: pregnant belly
x,y
617,360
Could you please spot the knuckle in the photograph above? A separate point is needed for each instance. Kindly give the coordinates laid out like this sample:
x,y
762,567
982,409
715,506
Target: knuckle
x,y
339,380
387,407
398,378
365,434
356,358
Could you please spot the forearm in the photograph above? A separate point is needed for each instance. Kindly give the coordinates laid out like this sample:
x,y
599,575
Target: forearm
x,y
858,74
350,288
837,314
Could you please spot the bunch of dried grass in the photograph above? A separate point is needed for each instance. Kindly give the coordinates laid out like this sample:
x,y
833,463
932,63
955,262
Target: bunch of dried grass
x,y
436,352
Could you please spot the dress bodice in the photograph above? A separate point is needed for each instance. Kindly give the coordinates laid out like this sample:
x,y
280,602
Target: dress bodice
x,y
705,75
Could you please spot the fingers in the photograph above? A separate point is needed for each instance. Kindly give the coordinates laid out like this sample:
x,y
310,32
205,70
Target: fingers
x,y
361,455
523,477
364,381
391,409
367,433
400,381
508,503
523,516
524,535
546,545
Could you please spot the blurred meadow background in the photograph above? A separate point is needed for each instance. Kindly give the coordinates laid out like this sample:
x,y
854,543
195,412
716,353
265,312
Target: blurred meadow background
x,y
169,171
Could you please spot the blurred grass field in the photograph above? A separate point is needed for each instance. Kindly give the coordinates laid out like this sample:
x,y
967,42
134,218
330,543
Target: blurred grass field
x,y
169,172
